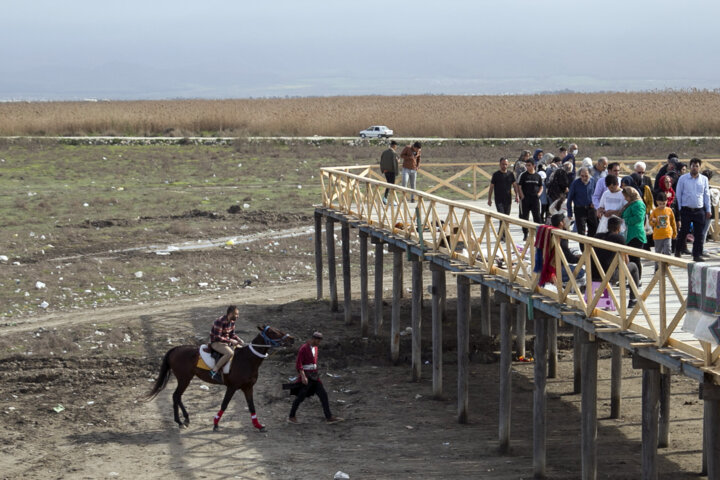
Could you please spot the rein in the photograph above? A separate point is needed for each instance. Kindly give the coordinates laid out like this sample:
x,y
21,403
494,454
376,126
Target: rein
x,y
270,343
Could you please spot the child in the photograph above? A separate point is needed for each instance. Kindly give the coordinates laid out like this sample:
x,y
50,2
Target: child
x,y
662,220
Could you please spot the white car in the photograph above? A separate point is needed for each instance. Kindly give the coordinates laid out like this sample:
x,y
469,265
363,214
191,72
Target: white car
x,y
379,131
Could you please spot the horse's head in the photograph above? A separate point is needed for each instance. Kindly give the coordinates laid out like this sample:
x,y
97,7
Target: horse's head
x,y
274,337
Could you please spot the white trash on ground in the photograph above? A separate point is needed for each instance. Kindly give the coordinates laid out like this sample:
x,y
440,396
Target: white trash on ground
x,y
341,475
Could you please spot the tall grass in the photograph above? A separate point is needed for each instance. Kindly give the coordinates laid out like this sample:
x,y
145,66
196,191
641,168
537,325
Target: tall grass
x,y
665,113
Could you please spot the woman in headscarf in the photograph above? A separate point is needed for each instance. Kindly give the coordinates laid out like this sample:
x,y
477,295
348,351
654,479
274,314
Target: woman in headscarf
x,y
633,213
666,186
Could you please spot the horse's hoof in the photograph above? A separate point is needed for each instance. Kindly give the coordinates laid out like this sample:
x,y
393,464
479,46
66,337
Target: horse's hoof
x,y
216,428
186,422
182,426
263,429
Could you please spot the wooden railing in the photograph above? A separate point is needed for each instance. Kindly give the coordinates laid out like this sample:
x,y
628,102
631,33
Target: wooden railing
x,y
470,235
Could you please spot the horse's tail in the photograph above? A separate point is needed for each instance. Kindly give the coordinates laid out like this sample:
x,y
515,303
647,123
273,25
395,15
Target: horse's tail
x,y
162,378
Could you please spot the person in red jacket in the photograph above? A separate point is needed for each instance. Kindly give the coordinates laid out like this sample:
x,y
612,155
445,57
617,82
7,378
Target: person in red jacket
x,y
307,367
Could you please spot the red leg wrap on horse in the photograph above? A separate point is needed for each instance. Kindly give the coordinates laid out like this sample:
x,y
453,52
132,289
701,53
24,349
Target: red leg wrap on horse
x,y
255,421
216,420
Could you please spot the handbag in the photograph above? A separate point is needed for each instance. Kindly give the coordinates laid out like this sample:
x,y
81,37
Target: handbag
x,y
648,227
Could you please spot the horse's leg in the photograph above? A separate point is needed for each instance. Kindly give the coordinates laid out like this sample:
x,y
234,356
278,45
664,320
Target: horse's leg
x,y
177,401
226,401
248,391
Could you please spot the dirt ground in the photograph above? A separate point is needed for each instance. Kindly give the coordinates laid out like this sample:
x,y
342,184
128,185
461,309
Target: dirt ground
x,y
96,364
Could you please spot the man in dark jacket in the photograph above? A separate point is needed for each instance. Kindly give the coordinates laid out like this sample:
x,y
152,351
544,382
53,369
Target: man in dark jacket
x,y
389,166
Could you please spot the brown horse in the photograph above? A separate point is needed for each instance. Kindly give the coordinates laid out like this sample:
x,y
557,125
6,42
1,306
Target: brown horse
x,y
183,360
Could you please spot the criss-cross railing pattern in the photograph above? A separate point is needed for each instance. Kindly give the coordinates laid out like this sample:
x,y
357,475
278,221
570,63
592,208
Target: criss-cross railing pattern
x,y
484,241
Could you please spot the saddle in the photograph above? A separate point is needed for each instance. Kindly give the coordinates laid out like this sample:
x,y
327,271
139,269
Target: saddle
x,y
209,357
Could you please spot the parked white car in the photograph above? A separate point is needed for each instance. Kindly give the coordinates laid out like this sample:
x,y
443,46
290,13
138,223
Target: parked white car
x,y
379,131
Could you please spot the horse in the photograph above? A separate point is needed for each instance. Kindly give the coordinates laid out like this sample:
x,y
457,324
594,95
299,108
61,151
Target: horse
x,y
183,362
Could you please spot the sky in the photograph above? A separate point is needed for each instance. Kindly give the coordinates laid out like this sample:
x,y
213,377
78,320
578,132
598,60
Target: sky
x,y
158,49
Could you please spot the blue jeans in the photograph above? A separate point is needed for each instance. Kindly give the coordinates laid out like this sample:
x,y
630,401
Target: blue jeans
x,y
409,176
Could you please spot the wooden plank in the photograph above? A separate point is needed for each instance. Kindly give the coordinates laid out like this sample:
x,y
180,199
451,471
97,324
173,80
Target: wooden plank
x,y
379,254
395,315
589,408
318,256
364,311
438,274
463,346
347,290
539,397
416,317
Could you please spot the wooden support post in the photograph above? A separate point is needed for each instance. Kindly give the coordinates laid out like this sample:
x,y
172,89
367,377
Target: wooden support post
x,y
589,407
552,348
438,274
463,347
710,394
505,378
616,381
318,256
378,287
485,301
395,315
577,380
539,394
650,412
520,327
706,428
416,316
664,426
443,296
347,292
364,314
332,274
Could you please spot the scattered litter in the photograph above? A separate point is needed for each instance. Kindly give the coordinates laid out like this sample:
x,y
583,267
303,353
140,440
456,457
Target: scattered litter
x,y
407,331
204,387
447,444
339,475
246,206
418,396
39,285
99,332
409,427
162,252
59,408
174,279
91,402
44,304
10,409
113,474
16,263
299,187
138,274
332,375
202,284
230,242
3,258
86,204
427,362
127,338
239,165
111,288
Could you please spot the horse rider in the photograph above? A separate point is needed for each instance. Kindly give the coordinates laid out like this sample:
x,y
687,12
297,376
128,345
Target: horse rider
x,y
307,367
223,338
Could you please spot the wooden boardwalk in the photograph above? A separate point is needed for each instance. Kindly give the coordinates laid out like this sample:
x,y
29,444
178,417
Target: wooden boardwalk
x,y
477,245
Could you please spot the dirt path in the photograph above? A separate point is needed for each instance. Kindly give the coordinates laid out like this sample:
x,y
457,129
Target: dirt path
x,y
97,363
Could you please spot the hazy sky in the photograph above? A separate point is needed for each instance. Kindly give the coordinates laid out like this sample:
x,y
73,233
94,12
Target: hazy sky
x,y
156,49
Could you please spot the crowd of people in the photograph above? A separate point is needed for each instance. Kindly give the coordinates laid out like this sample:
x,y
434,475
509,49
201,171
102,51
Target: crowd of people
x,y
594,198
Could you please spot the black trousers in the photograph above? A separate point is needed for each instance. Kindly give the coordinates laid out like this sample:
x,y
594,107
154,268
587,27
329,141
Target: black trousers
x,y
503,207
313,387
530,204
586,217
696,217
389,178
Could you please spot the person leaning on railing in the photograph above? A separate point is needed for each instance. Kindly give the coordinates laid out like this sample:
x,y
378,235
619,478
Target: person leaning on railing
x,y
605,257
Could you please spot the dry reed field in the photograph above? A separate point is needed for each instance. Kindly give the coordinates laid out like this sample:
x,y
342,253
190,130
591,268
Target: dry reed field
x,y
666,113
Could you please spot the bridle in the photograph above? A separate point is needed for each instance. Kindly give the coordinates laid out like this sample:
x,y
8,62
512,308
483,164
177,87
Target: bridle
x,y
269,343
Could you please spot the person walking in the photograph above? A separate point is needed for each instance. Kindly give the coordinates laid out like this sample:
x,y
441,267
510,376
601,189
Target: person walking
x,y
411,163
581,192
389,166
528,188
600,186
693,197
633,214
662,219
223,339
501,184
309,382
